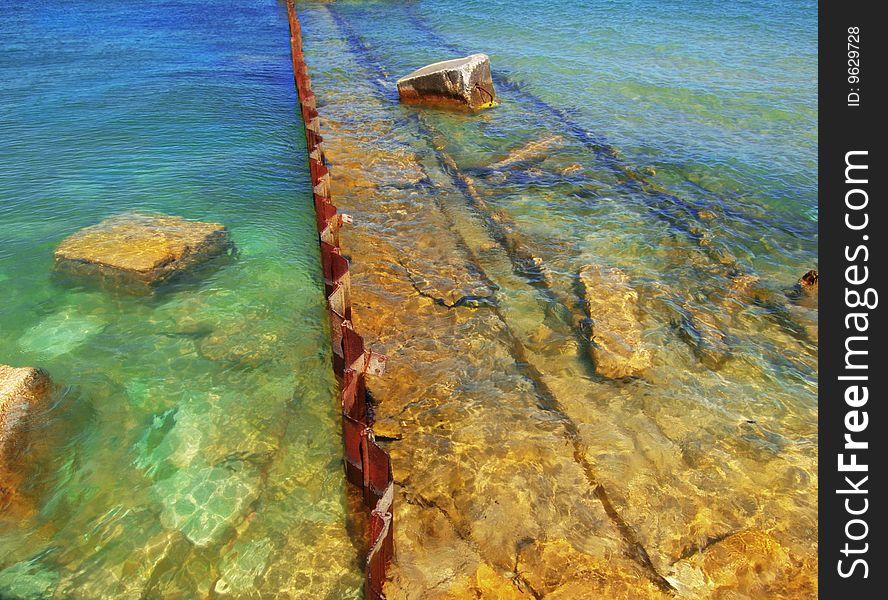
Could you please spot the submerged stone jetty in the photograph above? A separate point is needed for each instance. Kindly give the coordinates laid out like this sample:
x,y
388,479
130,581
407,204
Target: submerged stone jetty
x,y
460,82
140,249
20,389
519,474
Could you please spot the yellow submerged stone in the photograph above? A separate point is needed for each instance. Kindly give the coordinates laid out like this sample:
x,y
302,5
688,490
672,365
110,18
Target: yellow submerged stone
x,y
617,348
139,248
20,389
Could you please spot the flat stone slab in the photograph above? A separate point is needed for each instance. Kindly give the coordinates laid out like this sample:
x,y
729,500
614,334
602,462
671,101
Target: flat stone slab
x,y
20,389
460,82
142,249
616,345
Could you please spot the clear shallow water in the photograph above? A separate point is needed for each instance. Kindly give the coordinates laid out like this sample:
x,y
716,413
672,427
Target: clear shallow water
x,y
681,151
192,448
723,97
702,89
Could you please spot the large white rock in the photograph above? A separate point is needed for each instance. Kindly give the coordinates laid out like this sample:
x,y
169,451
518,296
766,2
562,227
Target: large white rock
x,y
462,82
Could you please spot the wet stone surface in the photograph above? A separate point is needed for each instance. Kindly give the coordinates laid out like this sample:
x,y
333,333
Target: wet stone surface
x,y
462,82
617,348
141,250
21,390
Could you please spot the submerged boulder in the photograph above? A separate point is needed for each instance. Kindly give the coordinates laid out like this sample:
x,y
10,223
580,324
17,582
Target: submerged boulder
x,y
146,250
462,82
616,347
20,389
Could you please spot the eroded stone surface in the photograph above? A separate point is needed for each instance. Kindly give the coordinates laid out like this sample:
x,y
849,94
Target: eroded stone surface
x,y
141,249
20,390
462,82
746,564
616,346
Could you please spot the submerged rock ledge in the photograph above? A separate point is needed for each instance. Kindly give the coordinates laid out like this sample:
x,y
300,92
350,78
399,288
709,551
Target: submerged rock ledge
x,y
518,475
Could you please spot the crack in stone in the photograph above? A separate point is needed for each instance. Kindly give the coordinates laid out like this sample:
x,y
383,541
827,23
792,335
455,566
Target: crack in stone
x,y
635,550
694,549
417,499
518,579
464,301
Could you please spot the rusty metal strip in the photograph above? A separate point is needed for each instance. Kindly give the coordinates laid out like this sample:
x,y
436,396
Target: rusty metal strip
x,y
367,464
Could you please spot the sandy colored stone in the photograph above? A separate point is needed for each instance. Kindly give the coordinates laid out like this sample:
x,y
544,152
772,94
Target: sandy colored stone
x,y
556,569
616,346
143,249
533,150
746,564
20,389
462,82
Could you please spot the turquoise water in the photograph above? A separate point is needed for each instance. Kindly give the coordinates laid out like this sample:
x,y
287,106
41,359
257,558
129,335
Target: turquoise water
x,y
721,93
723,96
192,447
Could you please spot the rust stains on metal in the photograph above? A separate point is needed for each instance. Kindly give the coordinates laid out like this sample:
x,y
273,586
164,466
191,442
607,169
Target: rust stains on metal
x,y
367,465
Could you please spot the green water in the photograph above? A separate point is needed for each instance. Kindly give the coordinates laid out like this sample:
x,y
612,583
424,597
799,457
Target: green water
x,y
192,447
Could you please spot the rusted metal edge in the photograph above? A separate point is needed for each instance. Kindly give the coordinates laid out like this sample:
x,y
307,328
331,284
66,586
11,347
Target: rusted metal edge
x,y
367,464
